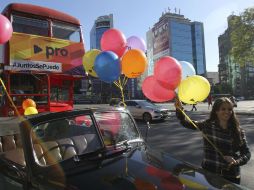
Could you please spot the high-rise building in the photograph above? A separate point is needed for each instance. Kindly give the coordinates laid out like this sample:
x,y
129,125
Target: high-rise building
x,y
99,88
176,36
101,24
239,79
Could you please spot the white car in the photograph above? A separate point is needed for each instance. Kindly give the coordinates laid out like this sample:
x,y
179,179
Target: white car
x,y
147,111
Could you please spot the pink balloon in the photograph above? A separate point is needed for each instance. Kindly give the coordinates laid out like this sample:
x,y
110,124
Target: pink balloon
x,y
5,29
156,92
168,72
135,42
114,40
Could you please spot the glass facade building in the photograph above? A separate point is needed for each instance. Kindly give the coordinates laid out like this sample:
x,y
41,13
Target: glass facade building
x,y
101,24
238,78
180,38
106,91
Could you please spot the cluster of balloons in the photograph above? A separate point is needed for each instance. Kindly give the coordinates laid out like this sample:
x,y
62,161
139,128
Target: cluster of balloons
x,y
5,29
170,76
29,106
167,76
117,56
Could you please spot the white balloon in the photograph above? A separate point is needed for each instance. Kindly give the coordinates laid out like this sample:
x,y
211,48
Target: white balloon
x,y
187,69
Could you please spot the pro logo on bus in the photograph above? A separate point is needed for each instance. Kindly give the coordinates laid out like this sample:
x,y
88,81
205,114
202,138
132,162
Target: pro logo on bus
x,y
51,51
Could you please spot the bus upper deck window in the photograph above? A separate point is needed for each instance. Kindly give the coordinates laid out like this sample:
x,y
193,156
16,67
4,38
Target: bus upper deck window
x,y
30,25
66,31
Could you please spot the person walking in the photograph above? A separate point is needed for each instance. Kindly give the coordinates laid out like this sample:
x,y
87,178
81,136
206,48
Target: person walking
x,y
194,108
210,101
225,144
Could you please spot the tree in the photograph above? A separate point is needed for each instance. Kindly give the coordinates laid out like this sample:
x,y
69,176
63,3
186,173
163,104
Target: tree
x,y
222,89
242,37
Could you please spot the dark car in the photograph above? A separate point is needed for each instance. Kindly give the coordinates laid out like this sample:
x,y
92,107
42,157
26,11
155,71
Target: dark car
x,y
91,149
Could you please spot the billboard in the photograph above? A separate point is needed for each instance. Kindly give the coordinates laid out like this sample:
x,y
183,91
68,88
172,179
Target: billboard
x,y
44,54
160,37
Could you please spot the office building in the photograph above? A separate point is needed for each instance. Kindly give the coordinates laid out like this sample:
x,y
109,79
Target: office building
x,y
107,91
101,24
239,79
176,36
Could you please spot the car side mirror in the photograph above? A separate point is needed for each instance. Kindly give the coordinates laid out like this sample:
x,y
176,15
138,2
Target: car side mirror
x,y
138,106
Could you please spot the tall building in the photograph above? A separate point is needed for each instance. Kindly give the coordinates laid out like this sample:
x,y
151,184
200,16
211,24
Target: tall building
x,y
101,24
99,88
238,78
176,36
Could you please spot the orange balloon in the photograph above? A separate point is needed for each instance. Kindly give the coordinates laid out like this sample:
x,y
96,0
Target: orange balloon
x,y
134,63
28,103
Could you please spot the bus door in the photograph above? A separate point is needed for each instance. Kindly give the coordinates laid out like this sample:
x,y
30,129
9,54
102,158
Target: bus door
x,y
61,93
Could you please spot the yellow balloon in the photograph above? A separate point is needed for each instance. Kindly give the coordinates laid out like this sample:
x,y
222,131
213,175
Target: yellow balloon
x,y
194,89
88,61
30,111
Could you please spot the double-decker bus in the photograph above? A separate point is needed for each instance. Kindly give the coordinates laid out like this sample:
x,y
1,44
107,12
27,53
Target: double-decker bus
x,y
42,59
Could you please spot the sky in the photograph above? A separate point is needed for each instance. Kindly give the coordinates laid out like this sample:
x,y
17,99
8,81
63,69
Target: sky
x,y
134,17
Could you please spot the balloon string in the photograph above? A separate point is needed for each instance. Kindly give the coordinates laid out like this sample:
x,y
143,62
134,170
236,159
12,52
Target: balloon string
x,y
11,101
119,85
188,118
116,84
125,79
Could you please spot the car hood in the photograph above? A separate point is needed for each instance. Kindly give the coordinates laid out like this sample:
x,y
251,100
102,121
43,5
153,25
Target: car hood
x,y
143,168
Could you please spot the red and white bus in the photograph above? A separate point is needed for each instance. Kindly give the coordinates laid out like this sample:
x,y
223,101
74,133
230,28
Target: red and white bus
x,y
42,59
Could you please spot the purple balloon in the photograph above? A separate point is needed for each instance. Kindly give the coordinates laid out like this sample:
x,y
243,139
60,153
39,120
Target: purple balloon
x,y
135,42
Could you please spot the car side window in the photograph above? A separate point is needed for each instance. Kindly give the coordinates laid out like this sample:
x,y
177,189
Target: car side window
x,y
131,103
135,103
128,103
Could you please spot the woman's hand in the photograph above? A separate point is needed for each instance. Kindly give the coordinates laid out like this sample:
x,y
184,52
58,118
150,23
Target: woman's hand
x,y
230,160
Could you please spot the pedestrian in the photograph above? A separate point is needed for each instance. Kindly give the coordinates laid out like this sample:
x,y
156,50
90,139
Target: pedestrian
x,y
210,101
194,107
225,146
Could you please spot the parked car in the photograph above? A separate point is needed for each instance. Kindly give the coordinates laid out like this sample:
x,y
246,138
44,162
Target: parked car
x,y
233,100
92,149
114,102
145,110
240,98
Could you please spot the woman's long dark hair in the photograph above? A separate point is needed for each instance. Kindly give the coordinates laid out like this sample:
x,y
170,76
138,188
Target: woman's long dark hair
x,y
233,122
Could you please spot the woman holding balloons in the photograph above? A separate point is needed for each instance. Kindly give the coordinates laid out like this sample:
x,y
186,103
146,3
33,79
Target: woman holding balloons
x,y
225,145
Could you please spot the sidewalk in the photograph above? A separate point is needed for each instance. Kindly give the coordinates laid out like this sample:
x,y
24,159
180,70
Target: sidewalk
x,y
243,107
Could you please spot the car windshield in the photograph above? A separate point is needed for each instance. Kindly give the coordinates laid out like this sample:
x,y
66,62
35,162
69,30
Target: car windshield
x,y
116,127
64,138
146,103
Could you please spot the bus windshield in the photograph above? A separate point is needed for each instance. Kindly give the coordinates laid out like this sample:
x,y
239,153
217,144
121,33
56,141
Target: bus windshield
x,y
66,31
40,27
30,25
